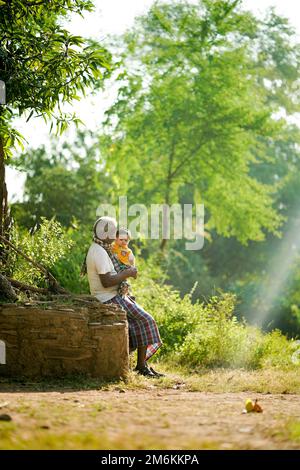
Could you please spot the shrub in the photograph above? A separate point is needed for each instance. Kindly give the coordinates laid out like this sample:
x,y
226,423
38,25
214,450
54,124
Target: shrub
x,y
46,245
67,268
175,316
208,334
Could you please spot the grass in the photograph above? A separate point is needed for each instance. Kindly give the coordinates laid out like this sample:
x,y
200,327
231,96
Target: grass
x,y
240,380
88,440
274,380
293,429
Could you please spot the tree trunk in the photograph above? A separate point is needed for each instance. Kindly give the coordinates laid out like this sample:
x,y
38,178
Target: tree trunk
x,y
4,214
163,244
164,241
2,187
6,291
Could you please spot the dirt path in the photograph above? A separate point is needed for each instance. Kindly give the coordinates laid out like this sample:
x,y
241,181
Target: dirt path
x,y
147,419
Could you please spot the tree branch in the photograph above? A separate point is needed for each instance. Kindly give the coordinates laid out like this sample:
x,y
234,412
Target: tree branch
x,y
51,279
21,286
185,160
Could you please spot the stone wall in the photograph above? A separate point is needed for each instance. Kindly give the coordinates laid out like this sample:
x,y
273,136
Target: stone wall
x,y
56,340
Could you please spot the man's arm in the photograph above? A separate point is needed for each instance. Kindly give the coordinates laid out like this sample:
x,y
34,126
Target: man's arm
x,y
112,279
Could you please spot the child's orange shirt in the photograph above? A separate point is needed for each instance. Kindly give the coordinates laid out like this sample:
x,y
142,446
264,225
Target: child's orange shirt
x,y
124,254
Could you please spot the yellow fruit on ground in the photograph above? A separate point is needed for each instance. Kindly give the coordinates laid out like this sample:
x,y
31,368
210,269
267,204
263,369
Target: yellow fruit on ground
x,y
249,405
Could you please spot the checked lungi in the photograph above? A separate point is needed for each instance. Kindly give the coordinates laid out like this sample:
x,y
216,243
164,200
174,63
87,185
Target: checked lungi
x,y
143,330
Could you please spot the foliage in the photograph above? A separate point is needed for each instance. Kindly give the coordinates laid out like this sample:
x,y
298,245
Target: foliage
x,y
244,270
185,111
67,268
60,250
42,64
231,344
208,334
46,245
76,182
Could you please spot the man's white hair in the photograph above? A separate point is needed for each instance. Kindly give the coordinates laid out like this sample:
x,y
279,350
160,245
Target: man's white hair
x,y
105,227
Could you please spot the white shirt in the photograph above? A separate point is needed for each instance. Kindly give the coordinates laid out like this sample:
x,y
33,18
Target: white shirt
x,y
98,262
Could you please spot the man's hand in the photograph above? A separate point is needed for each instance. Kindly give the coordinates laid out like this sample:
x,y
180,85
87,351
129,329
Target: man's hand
x,y
113,279
131,272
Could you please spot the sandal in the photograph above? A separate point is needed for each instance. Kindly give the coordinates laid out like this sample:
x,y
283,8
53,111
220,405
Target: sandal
x,y
158,374
145,371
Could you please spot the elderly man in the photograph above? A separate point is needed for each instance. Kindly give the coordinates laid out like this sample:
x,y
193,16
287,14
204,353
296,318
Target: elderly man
x,y
106,278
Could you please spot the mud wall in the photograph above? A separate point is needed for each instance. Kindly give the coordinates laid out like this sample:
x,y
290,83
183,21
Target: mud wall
x,y
39,341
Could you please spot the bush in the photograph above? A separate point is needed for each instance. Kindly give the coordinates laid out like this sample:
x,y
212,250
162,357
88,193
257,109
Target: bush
x,y
67,268
175,316
46,245
209,335
57,248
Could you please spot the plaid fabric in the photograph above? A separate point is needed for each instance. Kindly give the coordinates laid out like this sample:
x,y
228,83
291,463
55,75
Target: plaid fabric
x,y
143,330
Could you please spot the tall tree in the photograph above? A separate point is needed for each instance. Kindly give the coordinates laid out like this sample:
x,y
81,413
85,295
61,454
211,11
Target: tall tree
x,y
43,66
199,106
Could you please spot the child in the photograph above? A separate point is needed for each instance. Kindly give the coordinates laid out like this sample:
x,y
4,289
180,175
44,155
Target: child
x,y
120,247
124,255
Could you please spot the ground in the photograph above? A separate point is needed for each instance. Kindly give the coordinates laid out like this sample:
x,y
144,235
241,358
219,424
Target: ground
x,y
174,413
